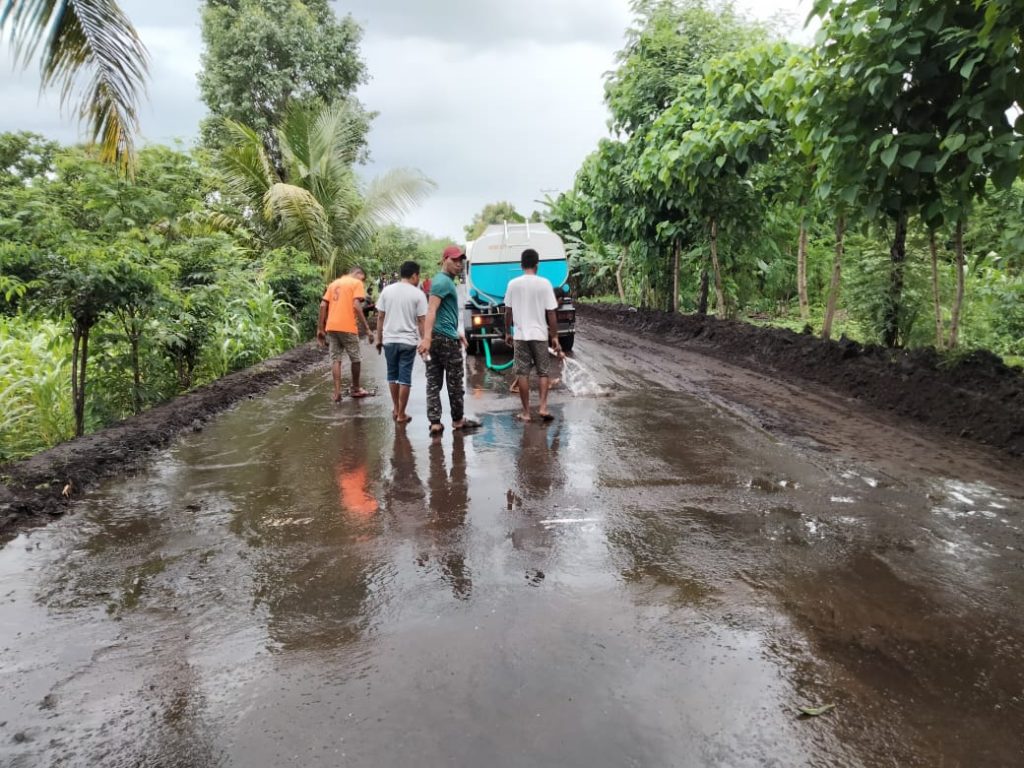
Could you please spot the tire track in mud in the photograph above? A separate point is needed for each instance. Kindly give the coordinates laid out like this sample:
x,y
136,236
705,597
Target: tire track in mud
x,y
807,414
976,397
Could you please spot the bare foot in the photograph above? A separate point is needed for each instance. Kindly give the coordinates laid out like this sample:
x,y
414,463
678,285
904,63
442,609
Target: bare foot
x,y
336,398
524,417
403,419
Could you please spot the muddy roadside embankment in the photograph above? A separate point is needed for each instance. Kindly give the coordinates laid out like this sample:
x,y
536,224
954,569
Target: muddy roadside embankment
x,y
46,483
976,397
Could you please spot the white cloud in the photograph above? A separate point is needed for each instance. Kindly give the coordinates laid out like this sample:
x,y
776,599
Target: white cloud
x,y
492,132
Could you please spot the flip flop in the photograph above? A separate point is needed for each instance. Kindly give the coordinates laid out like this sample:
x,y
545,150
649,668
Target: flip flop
x,y
436,432
546,417
406,420
361,393
469,425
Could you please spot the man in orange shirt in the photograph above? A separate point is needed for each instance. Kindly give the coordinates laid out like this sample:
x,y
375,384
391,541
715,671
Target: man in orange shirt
x,y
341,312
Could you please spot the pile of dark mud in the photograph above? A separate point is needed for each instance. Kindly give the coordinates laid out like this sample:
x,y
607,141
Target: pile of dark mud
x,y
46,482
975,396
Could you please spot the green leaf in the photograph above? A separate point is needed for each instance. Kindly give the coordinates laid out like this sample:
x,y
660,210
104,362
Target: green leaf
x,y
1004,174
889,155
910,159
721,160
816,711
954,142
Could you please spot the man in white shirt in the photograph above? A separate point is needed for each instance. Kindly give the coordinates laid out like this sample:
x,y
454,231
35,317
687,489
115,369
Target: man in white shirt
x,y
531,326
401,310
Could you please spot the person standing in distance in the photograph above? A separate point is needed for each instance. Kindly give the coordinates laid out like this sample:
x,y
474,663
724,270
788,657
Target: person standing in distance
x,y
531,326
402,309
341,310
441,346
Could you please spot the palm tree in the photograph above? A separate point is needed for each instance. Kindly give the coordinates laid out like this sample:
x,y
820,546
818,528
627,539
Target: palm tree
x,y
75,37
315,201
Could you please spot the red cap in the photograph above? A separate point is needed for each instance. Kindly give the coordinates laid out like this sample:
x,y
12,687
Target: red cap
x,y
453,252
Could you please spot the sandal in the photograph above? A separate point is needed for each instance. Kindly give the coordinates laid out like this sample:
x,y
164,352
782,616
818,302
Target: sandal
x,y
468,424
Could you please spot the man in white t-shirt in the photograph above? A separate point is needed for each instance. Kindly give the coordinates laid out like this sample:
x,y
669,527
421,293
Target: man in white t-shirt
x,y
531,326
401,310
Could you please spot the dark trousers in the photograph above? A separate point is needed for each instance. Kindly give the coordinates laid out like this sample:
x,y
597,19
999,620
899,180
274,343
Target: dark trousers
x,y
445,363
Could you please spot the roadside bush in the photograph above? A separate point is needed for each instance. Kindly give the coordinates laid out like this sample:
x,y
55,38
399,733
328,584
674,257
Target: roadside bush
x,y
35,399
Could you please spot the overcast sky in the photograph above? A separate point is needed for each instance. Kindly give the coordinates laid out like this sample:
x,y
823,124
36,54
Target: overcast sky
x,y
492,100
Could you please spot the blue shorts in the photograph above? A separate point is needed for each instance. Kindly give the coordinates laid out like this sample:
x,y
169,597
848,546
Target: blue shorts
x,y
400,358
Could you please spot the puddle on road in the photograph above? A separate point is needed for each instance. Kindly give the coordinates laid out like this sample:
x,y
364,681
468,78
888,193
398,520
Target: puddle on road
x,y
644,579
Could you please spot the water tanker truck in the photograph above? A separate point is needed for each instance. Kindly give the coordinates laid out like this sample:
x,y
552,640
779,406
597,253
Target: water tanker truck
x,y
492,260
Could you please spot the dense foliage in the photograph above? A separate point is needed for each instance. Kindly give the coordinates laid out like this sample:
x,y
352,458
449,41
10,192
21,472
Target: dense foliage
x,y
752,175
126,288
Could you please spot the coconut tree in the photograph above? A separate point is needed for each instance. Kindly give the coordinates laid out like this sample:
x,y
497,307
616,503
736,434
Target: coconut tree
x,y
316,201
93,38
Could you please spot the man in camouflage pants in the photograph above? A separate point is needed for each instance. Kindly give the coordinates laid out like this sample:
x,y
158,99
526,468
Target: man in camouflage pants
x,y
441,346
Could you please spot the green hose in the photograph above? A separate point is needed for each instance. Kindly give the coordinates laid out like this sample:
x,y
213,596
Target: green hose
x,y
487,357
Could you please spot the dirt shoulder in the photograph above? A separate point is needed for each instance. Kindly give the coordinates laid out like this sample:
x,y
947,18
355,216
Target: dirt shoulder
x,y
46,483
978,398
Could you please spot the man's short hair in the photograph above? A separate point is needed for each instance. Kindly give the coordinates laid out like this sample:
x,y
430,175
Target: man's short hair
x,y
408,269
529,259
357,271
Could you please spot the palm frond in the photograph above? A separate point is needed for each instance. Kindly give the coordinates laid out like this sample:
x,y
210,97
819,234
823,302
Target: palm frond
x,y
302,221
318,147
294,136
387,198
247,169
340,133
78,36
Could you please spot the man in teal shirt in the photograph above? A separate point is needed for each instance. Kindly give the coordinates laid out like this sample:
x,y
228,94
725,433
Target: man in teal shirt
x,y
441,345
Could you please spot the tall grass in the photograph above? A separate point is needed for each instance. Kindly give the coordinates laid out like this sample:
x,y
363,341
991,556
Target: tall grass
x,y
254,326
35,389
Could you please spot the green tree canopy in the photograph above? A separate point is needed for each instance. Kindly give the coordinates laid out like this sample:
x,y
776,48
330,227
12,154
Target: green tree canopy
x,y
492,213
668,45
264,56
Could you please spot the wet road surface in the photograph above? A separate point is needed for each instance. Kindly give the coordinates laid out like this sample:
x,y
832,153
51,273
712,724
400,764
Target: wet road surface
x,y
652,580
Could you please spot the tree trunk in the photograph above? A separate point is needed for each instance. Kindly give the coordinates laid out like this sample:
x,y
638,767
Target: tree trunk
x,y
894,301
132,331
675,277
719,292
958,302
801,272
76,345
936,300
618,274
136,375
79,363
837,269
702,299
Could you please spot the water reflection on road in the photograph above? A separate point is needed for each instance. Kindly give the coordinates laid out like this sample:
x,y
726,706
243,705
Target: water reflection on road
x,y
647,581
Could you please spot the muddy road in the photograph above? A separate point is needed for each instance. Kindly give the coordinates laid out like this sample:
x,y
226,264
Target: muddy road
x,y
661,577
